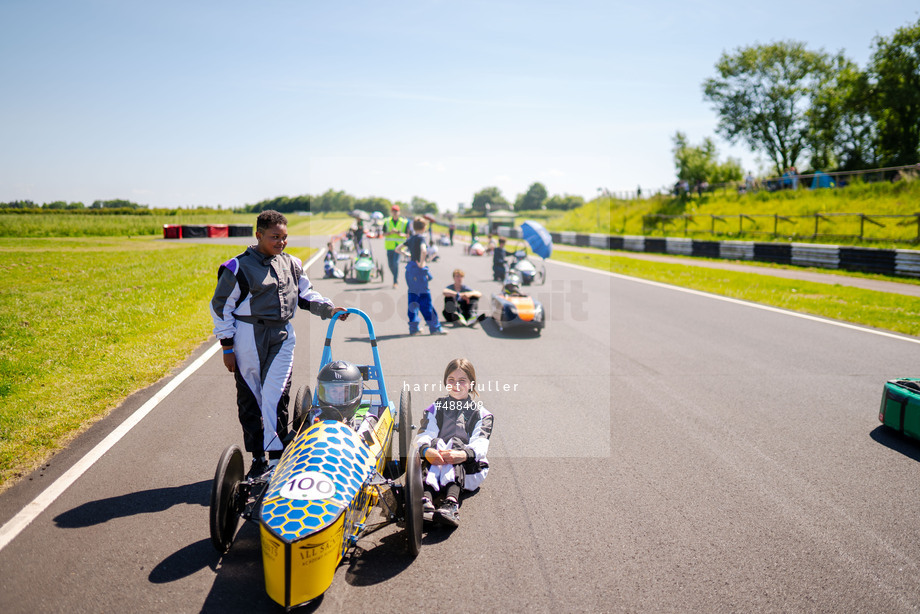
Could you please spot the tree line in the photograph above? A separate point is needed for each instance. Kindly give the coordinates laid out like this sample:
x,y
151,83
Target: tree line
x,y
800,106
330,201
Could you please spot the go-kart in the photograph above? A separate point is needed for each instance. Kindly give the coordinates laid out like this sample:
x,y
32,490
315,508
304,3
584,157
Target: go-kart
x,y
365,268
528,271
317,502
512,309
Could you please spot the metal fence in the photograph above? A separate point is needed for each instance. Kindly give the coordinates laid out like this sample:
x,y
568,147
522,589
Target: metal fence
x,y
837,226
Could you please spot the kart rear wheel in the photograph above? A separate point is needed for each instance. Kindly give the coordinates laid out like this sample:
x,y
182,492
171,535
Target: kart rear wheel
x,y
225,516
302,403
413,503
405,428
541,274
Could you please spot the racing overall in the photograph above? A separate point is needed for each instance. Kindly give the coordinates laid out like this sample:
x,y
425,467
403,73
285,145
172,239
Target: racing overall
x,y
450,424
255,299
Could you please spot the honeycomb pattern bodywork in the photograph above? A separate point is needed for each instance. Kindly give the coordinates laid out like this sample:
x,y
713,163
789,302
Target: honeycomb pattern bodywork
x,y
331,449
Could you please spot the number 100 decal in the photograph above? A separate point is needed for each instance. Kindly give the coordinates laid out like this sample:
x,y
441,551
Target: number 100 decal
x,y
309,485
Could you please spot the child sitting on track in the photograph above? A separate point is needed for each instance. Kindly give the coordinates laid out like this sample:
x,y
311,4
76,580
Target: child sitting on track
x,y
453,442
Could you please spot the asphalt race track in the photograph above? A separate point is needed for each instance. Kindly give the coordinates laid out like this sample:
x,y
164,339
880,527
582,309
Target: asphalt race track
x,y
654,450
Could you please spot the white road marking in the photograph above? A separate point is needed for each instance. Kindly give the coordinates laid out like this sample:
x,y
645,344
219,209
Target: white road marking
x,y
735,301
38,505
30,512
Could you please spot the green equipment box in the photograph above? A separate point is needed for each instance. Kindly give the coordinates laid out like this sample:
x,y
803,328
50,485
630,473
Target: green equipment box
x,y
900,408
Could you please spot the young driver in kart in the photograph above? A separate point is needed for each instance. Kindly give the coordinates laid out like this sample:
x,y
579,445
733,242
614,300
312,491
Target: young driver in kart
x,y
453,442
257,294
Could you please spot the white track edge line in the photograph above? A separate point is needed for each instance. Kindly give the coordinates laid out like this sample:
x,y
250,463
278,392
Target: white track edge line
x,y
736,301
26,515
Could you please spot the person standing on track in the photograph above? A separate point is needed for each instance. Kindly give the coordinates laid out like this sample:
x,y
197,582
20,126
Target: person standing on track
x,y
395,230
257,294
417,278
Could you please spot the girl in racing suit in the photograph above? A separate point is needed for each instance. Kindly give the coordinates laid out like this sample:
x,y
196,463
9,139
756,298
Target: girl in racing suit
x,y
256,296
453,441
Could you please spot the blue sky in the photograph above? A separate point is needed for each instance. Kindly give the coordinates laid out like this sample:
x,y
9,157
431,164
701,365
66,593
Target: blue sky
x,y
186,103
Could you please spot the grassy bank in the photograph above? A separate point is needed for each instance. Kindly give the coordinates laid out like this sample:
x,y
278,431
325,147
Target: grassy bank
x,y
882,310
612,216
86,322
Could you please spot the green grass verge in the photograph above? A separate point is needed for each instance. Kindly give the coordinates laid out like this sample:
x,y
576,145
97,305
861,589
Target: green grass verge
x,y
882,310
86,322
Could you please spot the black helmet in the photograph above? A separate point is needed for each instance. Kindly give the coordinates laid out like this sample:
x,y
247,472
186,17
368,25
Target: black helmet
x,y
365,253
339,387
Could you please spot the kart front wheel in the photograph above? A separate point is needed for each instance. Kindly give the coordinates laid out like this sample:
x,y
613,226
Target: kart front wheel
x,y
225,513
413,503
302,403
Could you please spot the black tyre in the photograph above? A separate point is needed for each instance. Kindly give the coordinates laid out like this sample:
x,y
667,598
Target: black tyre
x,y
413,503
302,403
405,428
541,274
225,509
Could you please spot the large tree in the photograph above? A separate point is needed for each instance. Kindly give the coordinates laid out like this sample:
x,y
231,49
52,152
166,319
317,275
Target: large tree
x,y
843,133
421,206
762,95
491,196
533,199
699,163
895,69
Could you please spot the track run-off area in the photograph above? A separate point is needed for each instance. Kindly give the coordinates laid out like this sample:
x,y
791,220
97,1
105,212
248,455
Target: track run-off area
x,y
655,449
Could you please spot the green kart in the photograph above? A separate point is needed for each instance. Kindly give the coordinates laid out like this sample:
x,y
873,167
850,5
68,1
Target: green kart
x,y
364,269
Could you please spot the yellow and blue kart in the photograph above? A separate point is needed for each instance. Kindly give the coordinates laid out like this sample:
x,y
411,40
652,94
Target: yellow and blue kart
x,y
317,502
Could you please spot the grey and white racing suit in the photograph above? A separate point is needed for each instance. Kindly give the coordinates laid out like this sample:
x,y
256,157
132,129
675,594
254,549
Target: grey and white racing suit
x,y
255,299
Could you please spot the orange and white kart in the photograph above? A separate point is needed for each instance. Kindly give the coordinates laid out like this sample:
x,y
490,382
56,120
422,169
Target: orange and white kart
x,y
513,309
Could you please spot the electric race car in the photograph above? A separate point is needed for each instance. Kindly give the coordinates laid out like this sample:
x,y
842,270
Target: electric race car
x,y
512,309
318,501
365,268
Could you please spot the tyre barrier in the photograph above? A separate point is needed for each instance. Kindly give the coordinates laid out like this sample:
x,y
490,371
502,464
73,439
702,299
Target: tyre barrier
x,y
192,231
811,255
894,262
679,246
736,250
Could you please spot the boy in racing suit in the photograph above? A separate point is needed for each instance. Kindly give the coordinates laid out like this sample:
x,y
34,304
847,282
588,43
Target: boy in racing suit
x,y
453,441
257,294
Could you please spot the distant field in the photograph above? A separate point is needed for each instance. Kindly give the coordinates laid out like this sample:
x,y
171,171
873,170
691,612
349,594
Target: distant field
x,y
88,225
86,322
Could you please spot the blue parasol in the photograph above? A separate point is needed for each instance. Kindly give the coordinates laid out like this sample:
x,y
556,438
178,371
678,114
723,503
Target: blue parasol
x,y
538,238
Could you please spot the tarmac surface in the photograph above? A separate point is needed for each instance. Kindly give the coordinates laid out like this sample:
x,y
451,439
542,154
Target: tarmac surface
x,y
654,450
